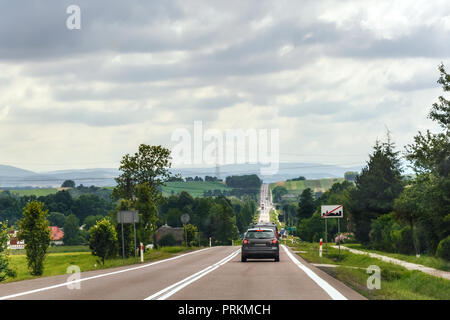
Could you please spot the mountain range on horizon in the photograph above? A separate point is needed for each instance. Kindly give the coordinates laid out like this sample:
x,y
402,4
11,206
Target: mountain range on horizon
x,y
14,177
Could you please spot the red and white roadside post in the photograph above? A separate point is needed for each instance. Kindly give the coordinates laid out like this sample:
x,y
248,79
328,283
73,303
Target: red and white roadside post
x,y
141,248
320,248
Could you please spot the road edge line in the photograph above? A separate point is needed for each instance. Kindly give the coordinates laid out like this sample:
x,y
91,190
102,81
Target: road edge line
x,y
98,276
329,289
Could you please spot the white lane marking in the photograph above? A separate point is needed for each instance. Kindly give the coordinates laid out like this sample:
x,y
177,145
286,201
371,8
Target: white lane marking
x,y
174,288
98,276
332,292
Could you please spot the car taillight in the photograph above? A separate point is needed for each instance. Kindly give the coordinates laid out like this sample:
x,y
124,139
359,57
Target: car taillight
x,y
274,241
245,241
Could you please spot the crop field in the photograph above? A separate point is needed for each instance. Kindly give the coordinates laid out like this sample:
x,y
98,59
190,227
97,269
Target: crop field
x,y
295,188
38,192
194,188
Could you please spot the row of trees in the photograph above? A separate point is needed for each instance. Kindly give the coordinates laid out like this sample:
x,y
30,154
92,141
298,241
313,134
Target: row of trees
x,y
34,229
179,178
210,215
60,205
387,210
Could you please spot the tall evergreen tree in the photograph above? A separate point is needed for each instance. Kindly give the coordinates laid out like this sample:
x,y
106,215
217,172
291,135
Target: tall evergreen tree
x,y
377,186
306,204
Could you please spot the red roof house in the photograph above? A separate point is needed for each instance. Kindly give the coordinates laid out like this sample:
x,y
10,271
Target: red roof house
x,y
57,234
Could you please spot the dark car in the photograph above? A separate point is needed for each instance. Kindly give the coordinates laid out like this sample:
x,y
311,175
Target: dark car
x,y
260,243
267,225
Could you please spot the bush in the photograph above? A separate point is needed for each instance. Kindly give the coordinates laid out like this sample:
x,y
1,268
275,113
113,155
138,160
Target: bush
x,y
103,240
167,240
5,270
381,231
403,240
310,229
443,249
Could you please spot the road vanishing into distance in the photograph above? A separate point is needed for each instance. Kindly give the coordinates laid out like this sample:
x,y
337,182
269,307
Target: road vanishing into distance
x,y
211,273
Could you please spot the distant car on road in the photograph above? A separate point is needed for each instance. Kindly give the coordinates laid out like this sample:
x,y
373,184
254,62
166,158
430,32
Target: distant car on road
x,y
260,243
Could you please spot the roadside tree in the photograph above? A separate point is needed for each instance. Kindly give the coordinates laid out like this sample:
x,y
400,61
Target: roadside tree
x,y
35,231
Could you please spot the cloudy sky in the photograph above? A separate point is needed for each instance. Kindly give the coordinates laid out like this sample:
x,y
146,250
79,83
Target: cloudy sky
x,y
330,75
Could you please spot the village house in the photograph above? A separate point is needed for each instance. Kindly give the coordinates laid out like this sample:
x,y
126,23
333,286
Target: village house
x,y
56,238
165,230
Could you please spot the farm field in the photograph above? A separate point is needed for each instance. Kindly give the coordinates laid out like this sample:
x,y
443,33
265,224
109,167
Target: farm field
x,y
295,188
38,192
194,188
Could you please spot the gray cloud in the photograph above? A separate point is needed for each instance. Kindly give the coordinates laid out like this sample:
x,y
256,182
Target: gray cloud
x,y
164,64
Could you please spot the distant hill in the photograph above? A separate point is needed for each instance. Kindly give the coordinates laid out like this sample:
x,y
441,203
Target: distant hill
x,y
102,177
10,171
286,171
14,177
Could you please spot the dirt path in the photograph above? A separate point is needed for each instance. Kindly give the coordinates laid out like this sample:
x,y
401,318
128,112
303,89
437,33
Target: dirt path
x,y
407,265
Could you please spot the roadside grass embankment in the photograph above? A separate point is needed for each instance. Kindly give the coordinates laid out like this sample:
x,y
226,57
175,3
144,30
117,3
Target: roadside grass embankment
x,y
425,260
274,219
397,283
57,263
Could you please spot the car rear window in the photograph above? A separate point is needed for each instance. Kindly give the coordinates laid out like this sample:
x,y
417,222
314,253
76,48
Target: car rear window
x,y
254,234
266,227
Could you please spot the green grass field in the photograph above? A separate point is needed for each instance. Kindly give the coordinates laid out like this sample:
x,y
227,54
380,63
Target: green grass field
x,y
397,283
295,188
57,263
56,249
194,188
34,192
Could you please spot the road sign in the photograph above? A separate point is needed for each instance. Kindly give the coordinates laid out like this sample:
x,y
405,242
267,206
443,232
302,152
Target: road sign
x,y
127,217
185,218
333,211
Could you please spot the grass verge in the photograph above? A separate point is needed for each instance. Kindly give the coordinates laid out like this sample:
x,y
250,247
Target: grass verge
x,y
425,260
397,283
274,219
57,263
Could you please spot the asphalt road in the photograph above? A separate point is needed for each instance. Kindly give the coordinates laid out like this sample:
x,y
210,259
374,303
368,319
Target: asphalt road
x,y
265,204
212,273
